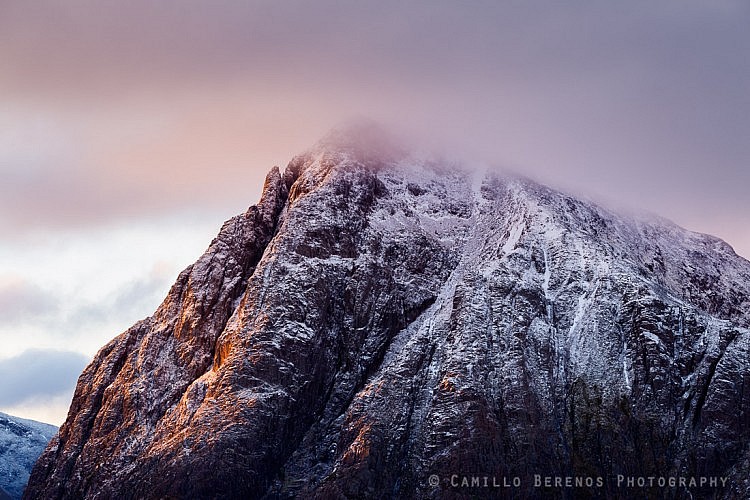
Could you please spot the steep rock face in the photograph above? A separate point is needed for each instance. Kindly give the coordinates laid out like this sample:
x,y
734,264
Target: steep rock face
x,y
376,320
21,443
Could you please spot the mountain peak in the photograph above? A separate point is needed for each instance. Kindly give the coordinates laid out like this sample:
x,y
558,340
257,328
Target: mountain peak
x,y
364,330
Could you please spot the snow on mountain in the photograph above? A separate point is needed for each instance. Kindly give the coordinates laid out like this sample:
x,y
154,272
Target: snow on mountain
x,y
21,443
380,326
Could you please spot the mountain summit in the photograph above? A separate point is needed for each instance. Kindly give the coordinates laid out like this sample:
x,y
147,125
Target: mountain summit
x,y
384,327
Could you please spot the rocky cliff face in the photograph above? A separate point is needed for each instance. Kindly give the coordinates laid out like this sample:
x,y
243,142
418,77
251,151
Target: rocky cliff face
x,y
383,327
21,443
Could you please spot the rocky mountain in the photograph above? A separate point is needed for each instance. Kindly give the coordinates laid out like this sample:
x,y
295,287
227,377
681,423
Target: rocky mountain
x,y
21,443
380,326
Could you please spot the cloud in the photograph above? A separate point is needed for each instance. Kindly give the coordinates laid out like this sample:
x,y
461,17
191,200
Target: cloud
x,y
127,304
20,299
39,373
94,283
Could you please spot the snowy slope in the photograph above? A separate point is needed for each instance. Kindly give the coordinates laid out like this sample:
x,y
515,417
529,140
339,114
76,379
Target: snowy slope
x,y
21,443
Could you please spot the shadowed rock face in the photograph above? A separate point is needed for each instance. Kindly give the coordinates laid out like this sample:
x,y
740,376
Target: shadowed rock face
x,y
376,320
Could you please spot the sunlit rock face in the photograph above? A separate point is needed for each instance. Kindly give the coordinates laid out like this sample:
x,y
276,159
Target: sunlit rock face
x,y
383,327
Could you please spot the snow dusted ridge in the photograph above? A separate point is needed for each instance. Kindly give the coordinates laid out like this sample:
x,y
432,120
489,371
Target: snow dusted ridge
x,y
377,320
21,443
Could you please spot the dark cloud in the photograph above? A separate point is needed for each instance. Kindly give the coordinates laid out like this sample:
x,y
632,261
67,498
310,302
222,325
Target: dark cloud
x,y
38,374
